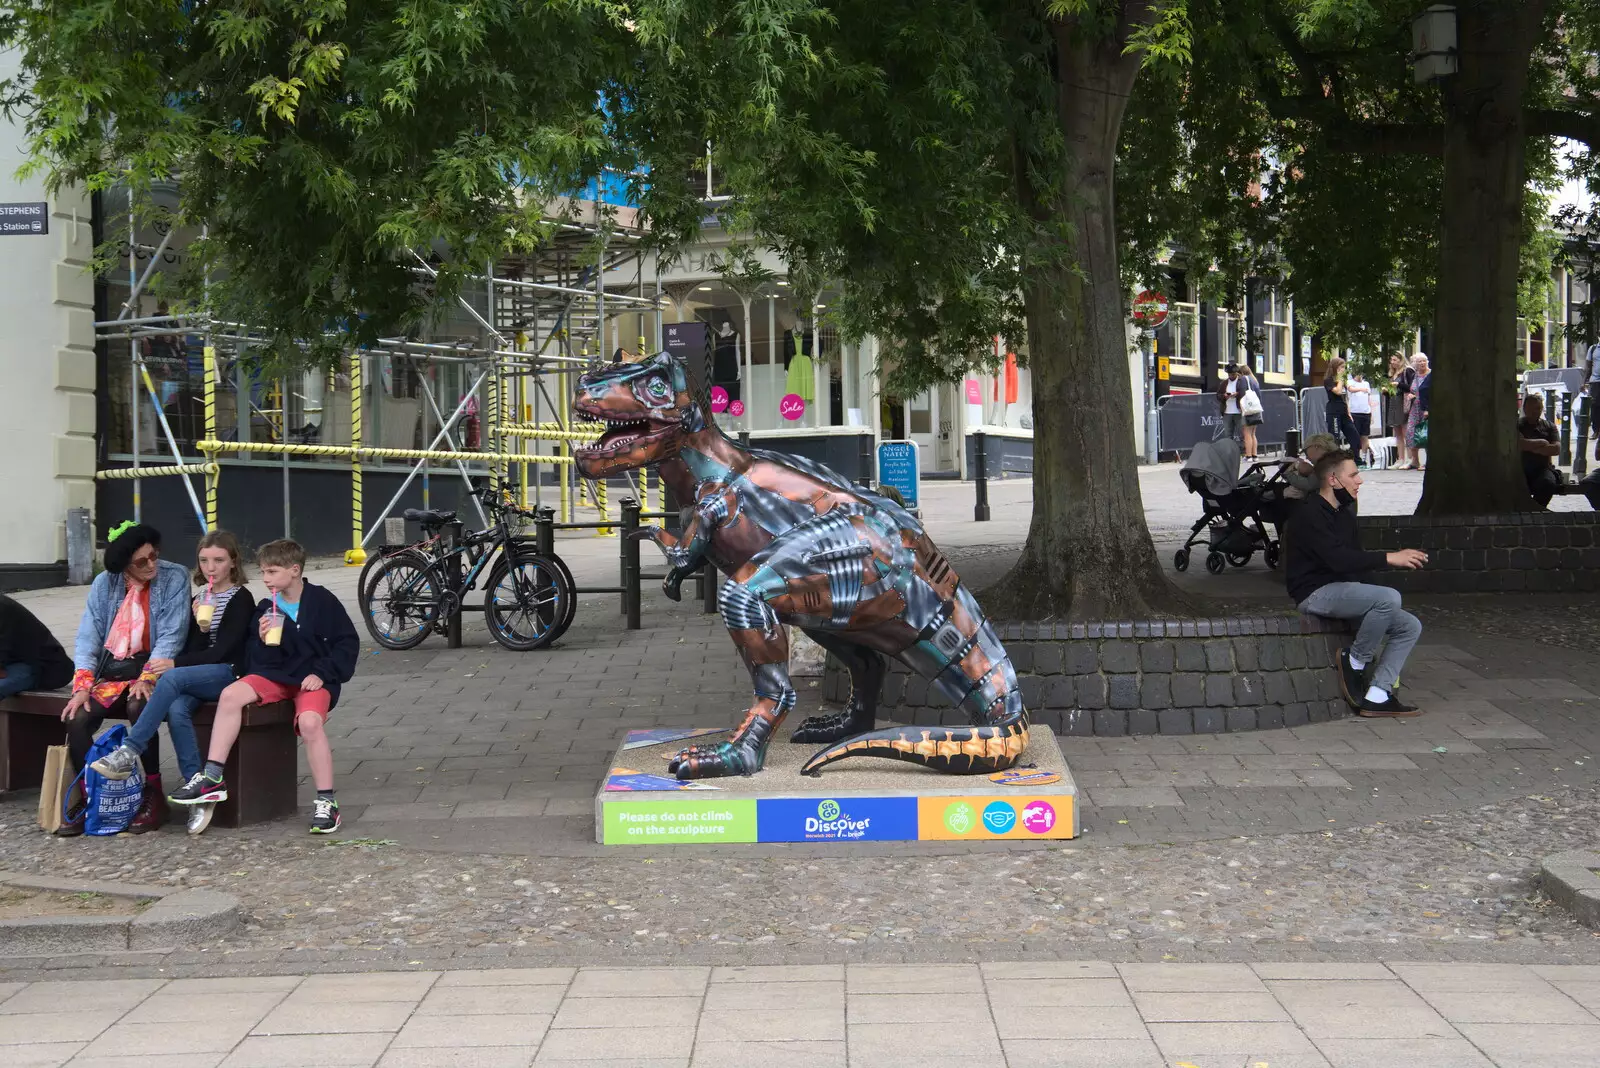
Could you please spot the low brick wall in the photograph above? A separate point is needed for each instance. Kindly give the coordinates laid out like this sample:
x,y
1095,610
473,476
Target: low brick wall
x,y
1542,552
1196,676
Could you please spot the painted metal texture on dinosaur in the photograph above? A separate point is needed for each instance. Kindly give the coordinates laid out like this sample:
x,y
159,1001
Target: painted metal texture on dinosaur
x,y
801,546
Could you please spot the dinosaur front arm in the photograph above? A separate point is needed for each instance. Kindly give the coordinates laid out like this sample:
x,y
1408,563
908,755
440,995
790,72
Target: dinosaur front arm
x,y
687,553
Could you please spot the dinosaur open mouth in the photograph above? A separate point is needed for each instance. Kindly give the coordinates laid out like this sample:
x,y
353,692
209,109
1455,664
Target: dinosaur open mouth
x,y
621,434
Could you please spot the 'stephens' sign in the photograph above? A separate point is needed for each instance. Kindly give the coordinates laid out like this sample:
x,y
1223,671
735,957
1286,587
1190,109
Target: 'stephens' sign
x,y
31,218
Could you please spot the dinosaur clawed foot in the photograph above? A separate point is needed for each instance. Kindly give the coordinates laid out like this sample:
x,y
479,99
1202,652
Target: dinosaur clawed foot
x,y
716,761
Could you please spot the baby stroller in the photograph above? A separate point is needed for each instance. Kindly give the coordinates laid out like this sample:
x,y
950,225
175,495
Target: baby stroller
x,y
1233,502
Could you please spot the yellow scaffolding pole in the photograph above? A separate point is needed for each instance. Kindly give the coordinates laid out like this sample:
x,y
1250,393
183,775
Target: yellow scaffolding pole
x,y
210,378
564,418
361,453
116,473
357,555
601,507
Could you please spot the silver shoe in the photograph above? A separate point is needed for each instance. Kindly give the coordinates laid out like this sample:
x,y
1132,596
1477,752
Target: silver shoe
x,y
117,764
200,817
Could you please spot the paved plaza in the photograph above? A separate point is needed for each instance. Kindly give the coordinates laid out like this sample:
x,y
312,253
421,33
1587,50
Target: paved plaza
x,y
1063,1014
1234,900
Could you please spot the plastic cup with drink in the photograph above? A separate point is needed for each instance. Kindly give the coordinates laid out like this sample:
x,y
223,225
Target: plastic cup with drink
x,y
205,607
274,623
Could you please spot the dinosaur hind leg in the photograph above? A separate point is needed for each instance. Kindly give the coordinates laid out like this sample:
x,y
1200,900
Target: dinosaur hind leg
x,y
763,645
860,713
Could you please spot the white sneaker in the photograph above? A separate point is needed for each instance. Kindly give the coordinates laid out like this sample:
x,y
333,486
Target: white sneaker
x,y
117,764
200,817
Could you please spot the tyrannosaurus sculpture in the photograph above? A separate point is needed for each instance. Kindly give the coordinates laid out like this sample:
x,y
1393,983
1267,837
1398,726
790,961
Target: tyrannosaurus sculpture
x,y
800,545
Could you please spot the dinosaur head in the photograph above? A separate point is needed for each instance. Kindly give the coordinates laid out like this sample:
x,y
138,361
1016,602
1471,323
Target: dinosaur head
x,y
648,411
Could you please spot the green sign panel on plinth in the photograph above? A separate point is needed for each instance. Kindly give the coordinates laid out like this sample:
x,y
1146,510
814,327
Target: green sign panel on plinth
x,y
698,820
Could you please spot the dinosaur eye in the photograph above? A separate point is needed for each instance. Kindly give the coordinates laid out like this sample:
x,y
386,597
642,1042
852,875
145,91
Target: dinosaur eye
x,y
657,388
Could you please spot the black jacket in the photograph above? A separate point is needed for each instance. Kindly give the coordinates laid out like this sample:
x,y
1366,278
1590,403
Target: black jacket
x,y
25,640
322,642
232,635
1323,546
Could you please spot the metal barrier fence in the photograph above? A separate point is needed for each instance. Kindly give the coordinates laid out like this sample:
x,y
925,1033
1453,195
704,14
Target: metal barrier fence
x,y
631,573
1186,419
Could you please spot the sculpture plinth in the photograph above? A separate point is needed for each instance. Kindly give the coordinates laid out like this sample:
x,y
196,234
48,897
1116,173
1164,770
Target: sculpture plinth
x,y
860,801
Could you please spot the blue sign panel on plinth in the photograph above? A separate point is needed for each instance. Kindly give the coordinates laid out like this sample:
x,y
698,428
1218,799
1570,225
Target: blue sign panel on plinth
x,y
843,819
897,467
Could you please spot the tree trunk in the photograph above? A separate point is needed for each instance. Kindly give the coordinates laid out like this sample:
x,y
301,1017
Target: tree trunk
x,y
1474,466
1089,553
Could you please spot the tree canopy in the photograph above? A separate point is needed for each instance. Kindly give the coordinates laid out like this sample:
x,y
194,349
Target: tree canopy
x,y
1298,143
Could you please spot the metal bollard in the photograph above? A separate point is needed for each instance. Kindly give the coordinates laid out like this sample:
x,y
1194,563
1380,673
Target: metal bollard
x,y
1566,430
544,532
980,510
629,564
744,439
452,627
80,547
708,588
1580,457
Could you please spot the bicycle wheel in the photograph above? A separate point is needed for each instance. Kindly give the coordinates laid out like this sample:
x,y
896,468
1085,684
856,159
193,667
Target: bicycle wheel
x,y
402,602
527,602
527,547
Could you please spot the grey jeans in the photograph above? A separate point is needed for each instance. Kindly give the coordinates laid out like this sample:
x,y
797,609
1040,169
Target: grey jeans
x,y
1383,624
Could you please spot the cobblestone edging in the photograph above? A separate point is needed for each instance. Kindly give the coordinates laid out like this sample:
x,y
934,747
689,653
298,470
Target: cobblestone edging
x,y
172,917
1573,881
1195,676
1543,552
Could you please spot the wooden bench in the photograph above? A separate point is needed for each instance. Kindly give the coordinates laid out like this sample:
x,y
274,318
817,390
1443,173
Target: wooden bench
x,y
262,770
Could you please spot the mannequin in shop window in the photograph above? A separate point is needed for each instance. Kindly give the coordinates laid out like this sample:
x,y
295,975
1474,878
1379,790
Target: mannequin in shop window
x,y
726,359
800,377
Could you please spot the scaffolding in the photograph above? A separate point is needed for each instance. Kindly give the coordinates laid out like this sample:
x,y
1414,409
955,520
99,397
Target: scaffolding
x,y
515,338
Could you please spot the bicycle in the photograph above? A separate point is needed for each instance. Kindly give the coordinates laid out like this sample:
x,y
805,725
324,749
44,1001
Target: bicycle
x,y
417,589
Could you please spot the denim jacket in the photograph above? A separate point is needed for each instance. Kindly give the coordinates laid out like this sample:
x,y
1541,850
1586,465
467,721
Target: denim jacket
x,y
169,614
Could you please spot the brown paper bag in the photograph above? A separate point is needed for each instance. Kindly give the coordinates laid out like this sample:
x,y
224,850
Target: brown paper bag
x,y
57,784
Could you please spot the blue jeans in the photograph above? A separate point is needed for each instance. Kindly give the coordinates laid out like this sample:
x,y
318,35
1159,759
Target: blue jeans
x,y
19,677
177,694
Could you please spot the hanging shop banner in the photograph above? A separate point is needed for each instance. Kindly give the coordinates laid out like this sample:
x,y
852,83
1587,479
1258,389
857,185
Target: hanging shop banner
x,y
897,467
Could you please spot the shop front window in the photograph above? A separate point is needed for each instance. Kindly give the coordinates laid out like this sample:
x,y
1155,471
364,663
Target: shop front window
x,y
1278,326
1185,322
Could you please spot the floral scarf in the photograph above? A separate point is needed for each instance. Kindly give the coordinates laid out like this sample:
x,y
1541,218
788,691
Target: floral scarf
x,y
129,635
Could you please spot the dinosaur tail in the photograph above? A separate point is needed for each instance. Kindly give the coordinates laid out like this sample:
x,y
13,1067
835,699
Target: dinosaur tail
x,y
952,750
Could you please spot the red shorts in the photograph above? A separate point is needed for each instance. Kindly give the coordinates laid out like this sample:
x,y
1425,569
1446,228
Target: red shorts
x,y
318,701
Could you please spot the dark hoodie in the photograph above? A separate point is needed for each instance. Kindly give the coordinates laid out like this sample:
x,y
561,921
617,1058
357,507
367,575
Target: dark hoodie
x,y
322,642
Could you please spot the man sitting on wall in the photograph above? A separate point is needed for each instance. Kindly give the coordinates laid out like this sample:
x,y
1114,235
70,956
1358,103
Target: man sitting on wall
x,y
1324,564
1540,445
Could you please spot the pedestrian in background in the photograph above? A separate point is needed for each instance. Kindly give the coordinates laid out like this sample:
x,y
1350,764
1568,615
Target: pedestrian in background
x,y
1338,404
1414,407
1358,394
1591,374
1228,391
1250,414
